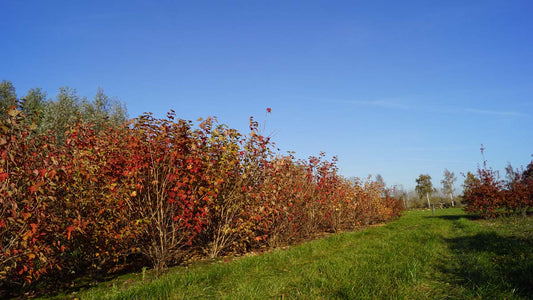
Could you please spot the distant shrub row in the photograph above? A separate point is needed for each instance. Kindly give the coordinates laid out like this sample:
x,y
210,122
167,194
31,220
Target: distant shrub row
x,y
160,191
485,193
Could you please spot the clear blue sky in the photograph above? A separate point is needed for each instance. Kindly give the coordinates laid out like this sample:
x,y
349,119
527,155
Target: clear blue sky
x,y
396,88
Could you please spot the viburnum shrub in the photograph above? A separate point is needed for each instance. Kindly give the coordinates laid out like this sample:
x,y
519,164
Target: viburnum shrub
x,y
93,193
519,190
366,205
172,192
527,178
485,194
488,195
393,205
301,199
29,233
341,209
237,168
282,217
162,189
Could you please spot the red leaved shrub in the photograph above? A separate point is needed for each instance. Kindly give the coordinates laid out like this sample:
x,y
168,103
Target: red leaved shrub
x,y
163,190
488,195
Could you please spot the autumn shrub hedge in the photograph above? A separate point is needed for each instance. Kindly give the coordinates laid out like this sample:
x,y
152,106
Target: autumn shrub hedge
x,y
488,195
163,190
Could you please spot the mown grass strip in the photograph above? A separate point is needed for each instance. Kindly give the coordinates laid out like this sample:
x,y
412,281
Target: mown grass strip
x,y
420,256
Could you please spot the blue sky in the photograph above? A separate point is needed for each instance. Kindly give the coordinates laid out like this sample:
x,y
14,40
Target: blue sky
x,y
397,88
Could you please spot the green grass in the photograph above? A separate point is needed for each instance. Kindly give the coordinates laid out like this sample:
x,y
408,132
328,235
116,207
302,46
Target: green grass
x,y
420,256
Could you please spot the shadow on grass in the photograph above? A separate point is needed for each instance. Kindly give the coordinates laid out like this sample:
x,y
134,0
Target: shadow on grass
x,y
489,263
455,217
63,284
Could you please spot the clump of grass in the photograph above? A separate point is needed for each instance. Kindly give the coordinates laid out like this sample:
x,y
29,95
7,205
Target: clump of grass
x,y
420,256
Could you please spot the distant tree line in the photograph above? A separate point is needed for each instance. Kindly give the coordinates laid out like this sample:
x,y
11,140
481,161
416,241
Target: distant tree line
x,y
55,115
485,192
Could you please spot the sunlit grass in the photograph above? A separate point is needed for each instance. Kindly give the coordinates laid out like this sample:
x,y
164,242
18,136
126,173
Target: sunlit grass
x,y
420,256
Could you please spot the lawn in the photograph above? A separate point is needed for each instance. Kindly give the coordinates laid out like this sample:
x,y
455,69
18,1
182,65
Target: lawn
x,y
448,255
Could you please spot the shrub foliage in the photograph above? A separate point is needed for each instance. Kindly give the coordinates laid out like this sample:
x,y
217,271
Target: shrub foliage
x,y
163,190
487,194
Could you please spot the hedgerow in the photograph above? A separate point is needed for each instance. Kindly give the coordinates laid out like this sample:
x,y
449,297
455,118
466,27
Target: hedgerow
x,y
161,191
488,195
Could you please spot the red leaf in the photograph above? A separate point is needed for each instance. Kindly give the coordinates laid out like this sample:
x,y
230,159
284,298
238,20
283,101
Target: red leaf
x,y
34,188
3,176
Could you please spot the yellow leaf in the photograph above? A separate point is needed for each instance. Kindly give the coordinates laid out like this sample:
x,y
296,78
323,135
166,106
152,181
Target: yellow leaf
x,y
26,215
13,111
26,235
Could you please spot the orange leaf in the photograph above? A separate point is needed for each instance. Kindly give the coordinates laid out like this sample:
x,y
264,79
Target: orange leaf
x,y
52,173
33,227
69,231
25,215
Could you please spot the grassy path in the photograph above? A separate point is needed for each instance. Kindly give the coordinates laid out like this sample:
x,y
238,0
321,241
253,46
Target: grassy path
x,y
420,256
